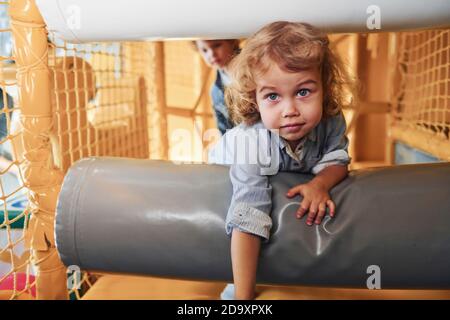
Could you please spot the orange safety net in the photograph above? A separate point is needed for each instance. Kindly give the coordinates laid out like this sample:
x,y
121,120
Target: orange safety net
x,y
421,112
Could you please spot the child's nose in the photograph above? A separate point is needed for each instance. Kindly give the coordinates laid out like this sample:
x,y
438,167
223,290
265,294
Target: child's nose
x,y
290,109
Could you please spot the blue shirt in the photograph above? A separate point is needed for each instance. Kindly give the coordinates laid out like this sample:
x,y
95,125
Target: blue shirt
x,y
254,152
3,121
220,109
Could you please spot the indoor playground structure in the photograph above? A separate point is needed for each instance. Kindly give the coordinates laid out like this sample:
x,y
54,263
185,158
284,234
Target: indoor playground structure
x,y
106,123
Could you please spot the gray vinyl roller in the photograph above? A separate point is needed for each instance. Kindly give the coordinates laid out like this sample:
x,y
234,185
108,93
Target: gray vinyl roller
x,y
162,219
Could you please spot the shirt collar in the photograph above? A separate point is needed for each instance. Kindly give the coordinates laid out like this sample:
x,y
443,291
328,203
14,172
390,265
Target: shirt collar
x,y
312,136
225,78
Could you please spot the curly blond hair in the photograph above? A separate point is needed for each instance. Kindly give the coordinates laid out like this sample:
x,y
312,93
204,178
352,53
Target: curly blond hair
x,y
294,47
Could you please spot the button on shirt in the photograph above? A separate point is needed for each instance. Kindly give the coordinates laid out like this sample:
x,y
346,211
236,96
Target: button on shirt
x,y
254,152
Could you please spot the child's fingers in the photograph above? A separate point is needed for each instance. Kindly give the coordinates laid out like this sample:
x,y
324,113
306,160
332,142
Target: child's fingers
x,y
293,191
304,207
313,208
320,213
332,207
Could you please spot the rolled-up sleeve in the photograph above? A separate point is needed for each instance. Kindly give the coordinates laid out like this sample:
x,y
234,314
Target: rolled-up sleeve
x,y
251,202
335,151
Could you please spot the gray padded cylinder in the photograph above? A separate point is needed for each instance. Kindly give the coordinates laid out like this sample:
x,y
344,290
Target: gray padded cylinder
x,y
162,219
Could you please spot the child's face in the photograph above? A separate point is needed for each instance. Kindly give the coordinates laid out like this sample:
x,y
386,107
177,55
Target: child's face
x,y
216,53
290,101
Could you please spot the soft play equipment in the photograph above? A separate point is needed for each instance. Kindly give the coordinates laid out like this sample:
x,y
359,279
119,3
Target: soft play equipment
x,y
87,20
163,219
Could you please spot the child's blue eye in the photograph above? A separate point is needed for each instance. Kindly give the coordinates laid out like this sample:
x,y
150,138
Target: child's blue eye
x,y
303,92
272,96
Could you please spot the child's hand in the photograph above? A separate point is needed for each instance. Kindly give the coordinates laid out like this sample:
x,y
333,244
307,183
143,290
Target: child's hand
x,y
315,200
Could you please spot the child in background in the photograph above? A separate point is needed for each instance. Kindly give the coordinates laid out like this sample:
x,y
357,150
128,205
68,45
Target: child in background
x,y
287,82
217,54
6,156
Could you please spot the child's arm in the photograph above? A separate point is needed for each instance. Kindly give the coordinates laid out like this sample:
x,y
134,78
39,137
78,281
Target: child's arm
x,y
330,170
315,193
